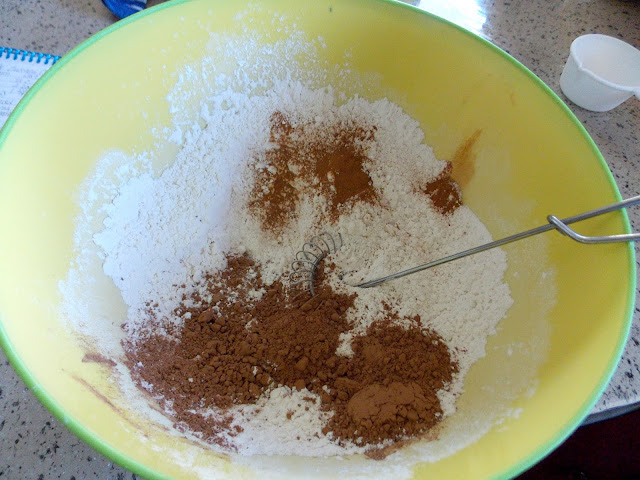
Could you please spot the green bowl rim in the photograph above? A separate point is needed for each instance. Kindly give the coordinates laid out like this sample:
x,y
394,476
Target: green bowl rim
x,y
138,468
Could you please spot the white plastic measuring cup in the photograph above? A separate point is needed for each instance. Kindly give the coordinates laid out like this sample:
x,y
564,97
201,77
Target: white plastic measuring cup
x,y
601,72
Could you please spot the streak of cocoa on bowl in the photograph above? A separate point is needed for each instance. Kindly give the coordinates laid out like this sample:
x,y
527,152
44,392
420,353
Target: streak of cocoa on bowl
x,y
464,159
94,357
108,402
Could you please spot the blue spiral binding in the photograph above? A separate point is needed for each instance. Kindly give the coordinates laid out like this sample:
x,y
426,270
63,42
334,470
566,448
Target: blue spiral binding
x,y
27,56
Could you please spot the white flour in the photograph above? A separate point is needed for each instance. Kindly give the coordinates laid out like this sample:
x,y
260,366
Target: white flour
x,y
286,419
162,232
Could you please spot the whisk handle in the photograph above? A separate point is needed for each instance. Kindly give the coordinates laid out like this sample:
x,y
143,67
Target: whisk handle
x,y
554,223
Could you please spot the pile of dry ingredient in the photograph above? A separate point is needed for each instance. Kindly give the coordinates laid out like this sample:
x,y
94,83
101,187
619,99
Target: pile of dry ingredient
x,y
233,348
237,356
231,352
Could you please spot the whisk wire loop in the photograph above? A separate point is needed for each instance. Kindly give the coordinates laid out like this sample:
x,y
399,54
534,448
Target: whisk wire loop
x,y
303,268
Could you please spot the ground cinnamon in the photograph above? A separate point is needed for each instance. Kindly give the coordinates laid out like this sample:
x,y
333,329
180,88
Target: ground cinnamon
x,y
304,162
444,192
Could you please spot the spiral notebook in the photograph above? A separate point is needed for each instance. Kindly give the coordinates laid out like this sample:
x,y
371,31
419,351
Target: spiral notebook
x,y
19,70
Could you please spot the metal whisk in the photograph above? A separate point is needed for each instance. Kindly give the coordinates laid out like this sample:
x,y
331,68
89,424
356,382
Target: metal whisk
x,y
312,253
554,222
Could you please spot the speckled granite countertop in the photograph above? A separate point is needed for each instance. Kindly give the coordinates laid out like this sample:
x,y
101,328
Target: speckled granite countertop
x,y
34,445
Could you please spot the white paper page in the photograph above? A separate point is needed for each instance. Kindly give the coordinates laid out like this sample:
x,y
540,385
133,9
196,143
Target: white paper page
x,y
19,70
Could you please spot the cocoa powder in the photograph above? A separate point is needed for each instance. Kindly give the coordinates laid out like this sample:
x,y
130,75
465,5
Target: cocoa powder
x,y
390,385
232,350
303,162
444,192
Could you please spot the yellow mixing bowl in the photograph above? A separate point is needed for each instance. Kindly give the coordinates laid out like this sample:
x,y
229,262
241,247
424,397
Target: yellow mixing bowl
x,y
518,153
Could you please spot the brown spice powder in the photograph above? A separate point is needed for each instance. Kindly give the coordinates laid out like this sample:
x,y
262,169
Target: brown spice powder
x,y
305,162
231,351
444,192
391,384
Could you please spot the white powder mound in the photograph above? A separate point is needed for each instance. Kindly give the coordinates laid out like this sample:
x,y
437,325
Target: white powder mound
x,y
155,236
287,420
165,232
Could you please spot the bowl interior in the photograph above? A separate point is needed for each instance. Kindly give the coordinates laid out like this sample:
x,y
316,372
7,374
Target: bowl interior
x,y
518,155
